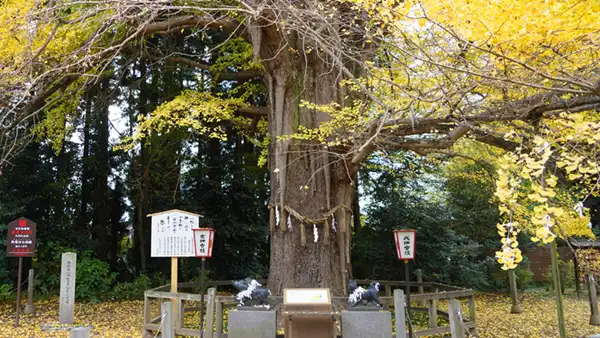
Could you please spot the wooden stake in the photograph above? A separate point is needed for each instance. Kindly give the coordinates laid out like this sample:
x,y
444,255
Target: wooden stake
x,y
272,219
174,283
283,219
558,291
19,291
326,233
302,234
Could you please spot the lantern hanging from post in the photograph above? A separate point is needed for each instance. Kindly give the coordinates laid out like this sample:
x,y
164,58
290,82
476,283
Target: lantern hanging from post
x,y
203,242
405,243
203,247
405,248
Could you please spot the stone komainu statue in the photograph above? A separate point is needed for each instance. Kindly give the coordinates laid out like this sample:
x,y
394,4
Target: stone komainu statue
x,y
249,289
358,295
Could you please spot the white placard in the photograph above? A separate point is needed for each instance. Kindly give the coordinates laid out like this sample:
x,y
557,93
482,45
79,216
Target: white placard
x,y
405,243
306,296
172,234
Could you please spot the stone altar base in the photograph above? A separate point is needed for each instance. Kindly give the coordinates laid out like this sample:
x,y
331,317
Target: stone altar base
x,y
252,324
366,324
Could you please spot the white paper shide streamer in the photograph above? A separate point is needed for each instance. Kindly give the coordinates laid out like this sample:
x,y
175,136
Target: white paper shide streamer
x,y
315,232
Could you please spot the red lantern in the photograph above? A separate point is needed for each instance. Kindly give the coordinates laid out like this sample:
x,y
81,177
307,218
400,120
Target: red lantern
x,y
203,242
405,243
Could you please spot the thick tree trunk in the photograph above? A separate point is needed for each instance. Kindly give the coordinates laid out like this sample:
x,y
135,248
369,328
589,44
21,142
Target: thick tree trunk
x,y
310,185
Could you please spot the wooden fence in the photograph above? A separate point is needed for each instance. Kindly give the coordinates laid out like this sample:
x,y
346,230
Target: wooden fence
x,y
425,297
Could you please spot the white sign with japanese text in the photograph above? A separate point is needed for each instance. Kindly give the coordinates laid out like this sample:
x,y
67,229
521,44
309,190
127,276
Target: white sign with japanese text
x,y
172,234
204,242
405,243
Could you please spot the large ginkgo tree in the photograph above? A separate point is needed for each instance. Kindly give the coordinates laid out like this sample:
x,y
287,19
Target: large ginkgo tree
x,y
343,79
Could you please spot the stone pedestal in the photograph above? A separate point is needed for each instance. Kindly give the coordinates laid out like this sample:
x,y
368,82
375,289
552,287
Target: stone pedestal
x,y
80,332
252,324
366,324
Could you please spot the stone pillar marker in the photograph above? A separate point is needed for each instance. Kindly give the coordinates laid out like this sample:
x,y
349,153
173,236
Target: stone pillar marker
x,y
419,274
30,308
67,288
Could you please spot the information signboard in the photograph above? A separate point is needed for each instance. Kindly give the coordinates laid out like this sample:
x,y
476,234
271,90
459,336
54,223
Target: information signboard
x,y
306,296
21,238
172,234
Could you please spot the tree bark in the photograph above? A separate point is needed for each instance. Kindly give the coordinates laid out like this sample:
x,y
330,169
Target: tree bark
x,y
308,181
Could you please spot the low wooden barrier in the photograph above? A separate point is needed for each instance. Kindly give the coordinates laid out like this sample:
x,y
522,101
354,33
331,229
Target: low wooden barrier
x,y
429,294
154,323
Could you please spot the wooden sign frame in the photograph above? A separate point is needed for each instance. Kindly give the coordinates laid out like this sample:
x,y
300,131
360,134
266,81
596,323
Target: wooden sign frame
x,y
397,234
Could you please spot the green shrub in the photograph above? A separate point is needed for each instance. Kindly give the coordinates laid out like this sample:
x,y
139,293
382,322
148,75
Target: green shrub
x,y
131,290
6,292
94,278
566,271
498,278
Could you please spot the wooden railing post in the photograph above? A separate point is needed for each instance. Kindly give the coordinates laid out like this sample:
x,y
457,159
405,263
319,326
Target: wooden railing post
x,y
219,314
180,314
432,310
210,313
457,330
388,293
419,274
472,316
594,316
167,320
400,315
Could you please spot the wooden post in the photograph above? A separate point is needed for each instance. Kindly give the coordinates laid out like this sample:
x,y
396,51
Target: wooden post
x,y
202,291
407,274
388,293
472,316
174,282
514,296
167,320
576,271
558,291
210,313
180,308
594,316
457,329
147,304
80,332
30,308
19,291
432,309
432,312
399,314
219,314
419,274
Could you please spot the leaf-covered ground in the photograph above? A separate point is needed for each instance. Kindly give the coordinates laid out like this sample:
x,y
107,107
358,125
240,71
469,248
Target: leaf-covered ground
x,y
124,319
